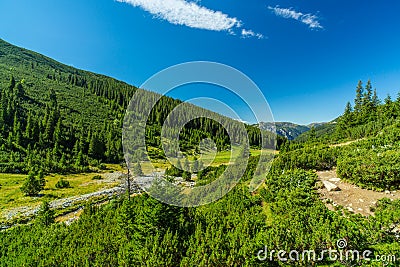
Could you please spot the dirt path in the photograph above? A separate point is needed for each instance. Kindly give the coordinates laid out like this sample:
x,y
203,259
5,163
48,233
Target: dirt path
x,y
346,143
353,198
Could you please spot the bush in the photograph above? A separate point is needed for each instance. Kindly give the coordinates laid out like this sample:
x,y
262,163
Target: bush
x,y
97,177
32,186
377,168
62,184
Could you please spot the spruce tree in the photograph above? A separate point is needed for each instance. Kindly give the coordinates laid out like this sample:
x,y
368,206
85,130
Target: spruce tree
x,y
45,214
375,100
19,91
12,83
367,99
358,101
79,161
31,186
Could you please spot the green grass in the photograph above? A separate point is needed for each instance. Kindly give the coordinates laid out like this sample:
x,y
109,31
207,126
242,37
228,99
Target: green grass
x,y
12,197
222,157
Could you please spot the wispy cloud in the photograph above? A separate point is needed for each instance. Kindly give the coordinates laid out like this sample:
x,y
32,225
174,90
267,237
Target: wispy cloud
x,y
249,33
190,14
289,13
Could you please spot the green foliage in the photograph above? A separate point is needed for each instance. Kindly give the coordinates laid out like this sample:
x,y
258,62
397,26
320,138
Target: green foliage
x,y
32,186
309,157
97,177
62,184
144,232
187,176
373,163
209,174
78,123
174,171
61,119
45,214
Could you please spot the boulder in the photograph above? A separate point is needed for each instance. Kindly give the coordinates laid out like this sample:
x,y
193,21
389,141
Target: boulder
x,y
330,186
335,180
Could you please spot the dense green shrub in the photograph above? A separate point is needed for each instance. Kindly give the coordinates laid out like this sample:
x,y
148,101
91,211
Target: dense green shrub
x,y
62,184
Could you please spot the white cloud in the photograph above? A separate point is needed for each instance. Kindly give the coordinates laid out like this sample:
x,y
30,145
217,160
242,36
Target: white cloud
x,y
191,14
250,33
289,13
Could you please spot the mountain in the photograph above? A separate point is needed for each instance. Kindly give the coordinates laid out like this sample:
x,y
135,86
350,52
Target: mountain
x,y
321,130
288,129
57,118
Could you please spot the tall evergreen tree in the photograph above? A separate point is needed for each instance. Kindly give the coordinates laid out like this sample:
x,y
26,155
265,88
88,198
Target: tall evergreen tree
x,y
375,100
358,101
12,83
367,94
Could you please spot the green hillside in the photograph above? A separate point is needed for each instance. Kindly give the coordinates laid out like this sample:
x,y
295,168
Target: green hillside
x,y
372,162
56,118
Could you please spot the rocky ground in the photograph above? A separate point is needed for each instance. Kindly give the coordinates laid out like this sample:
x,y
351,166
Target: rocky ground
x,y
351,197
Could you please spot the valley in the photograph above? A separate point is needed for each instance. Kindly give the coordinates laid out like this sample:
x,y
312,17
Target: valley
x,y
63,178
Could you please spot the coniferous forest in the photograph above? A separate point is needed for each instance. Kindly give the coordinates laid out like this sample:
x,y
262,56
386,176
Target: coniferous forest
x,y
55,119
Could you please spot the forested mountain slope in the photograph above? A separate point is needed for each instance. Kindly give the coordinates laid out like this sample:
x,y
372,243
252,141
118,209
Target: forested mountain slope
x,y
57,118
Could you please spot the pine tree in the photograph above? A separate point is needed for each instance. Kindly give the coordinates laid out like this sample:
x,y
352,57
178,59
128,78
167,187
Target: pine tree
x,y
312,134
348,110
388,100
375,100
41,180
367,99
63,162
96,147
57,132
19,91
368,91
28,128
346,120
46,215
52,98
126,219
12,83
31,186
358,101
79,161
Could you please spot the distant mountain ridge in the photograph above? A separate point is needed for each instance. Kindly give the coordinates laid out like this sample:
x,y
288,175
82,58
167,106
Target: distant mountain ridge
x,y
288,129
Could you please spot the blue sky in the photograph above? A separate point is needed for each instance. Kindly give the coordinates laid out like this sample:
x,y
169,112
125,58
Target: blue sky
x,y
306,56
